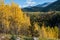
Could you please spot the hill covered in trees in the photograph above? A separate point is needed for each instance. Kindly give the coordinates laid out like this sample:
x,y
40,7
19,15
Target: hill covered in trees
x,y
55,6
51,18
15,22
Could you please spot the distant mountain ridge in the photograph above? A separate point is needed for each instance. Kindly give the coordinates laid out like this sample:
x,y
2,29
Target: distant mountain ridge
x,y
55,6
44,4
35,8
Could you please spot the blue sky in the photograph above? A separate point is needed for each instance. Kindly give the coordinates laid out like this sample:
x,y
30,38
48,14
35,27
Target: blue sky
x,y
25,3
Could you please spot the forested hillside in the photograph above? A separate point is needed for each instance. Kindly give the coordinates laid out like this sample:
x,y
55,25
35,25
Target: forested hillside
x,y
55,6
16,24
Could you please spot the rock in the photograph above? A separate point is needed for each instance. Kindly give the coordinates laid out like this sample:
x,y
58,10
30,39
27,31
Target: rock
x,y
35,38
18,38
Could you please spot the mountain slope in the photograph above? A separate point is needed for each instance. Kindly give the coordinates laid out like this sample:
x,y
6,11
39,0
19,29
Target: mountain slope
x,y
55,6
44,4
35,8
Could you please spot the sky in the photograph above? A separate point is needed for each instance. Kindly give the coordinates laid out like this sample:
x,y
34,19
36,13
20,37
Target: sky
x,y
26,3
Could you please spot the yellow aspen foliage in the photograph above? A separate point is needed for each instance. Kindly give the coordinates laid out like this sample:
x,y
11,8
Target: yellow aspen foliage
x,y
56,29
11,16
36,26
43,30
52,32
48,32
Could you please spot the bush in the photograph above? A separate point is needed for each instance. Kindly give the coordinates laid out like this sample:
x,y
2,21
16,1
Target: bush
x,y
13,37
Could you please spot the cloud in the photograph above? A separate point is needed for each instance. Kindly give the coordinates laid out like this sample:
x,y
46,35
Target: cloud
x,y
29,3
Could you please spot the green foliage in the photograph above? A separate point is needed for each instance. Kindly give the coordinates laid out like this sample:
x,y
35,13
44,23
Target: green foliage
x,y
13,37
51,18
